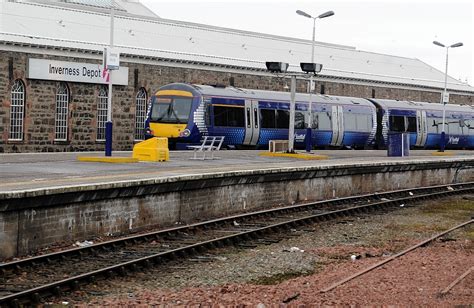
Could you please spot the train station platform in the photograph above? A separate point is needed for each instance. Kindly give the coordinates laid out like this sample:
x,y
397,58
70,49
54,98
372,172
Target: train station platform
x,y
41,171
52,197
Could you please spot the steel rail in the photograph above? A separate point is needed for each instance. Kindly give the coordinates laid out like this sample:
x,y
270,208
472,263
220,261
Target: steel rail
x,y
372,267
56,288
456,281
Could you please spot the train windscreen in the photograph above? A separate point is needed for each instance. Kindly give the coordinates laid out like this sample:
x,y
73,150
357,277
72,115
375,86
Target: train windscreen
x,y
170,109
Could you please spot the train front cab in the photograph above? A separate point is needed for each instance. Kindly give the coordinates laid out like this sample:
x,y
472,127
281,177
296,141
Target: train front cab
x,y
169,115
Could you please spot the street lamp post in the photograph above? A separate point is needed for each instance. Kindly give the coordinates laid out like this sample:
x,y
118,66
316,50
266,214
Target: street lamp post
x,y
108,123
309,142
445,96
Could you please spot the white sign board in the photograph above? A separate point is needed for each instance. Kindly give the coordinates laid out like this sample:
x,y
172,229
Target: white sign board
x,y
445,97
112,59
74,72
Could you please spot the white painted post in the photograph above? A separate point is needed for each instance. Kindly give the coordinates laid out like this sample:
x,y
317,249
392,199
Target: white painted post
x,y
291,131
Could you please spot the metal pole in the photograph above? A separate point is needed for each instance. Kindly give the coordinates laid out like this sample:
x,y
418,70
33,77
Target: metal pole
x,y
108,124
309,130
443,101
291,131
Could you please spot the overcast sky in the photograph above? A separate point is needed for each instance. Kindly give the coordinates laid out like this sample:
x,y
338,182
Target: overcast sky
x,y
397,27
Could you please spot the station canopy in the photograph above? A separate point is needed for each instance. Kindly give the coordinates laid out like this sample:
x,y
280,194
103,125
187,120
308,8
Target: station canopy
x,y
85,25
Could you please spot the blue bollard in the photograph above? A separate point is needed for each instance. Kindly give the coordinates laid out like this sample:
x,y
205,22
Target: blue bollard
x,y
308,140
442,142
108,139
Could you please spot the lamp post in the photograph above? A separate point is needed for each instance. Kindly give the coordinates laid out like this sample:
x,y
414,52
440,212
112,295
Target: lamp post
x,y
108,124
309,142
445,96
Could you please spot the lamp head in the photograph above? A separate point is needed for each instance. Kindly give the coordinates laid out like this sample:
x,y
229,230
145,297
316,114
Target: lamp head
x,y
303,14
438,43
277,67
327,14
456,45
311,67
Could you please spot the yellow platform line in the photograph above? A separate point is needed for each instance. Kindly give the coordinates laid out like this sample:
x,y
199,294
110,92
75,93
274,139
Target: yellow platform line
x,y
113,160
295,155
442,154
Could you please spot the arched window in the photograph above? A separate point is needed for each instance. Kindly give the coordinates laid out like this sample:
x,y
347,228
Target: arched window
x,y
62,103
140,114
102,113
17,110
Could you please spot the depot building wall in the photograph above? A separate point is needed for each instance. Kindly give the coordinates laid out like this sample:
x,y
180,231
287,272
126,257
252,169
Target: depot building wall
x,y
39,115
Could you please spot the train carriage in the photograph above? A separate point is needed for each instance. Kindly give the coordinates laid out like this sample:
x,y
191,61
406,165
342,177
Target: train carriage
x,y
184,113
423,121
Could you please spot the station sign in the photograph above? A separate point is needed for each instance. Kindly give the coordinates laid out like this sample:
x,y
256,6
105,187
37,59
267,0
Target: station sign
x,y
112,58
74,72
445,97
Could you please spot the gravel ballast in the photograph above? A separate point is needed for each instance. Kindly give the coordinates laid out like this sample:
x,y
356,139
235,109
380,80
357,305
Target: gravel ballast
x,y
294,270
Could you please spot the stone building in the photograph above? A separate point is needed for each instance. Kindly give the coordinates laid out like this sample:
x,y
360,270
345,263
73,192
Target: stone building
x,y
53,91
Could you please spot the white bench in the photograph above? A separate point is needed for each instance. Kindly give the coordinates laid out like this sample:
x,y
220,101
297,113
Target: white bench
x,y
208,144
277,146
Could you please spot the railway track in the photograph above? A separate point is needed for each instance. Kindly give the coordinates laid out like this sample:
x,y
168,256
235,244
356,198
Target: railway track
x,y
30,281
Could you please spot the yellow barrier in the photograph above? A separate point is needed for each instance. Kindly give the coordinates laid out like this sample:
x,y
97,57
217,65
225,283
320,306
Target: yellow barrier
x,y
153,149
108,159
295,155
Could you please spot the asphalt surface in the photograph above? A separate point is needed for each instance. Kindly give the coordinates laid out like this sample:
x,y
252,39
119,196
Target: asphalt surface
x,y
32,171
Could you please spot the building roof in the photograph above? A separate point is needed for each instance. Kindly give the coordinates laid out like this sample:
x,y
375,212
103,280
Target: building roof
x,y
141,33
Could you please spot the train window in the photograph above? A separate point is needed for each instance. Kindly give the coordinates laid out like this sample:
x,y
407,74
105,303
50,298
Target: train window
x,y
299,120
323,121
433,126
364,122
283,119
268,118
350,123
229,116
453,127
170,110
248,117
182,107
315,120
470,126
397,123
411,127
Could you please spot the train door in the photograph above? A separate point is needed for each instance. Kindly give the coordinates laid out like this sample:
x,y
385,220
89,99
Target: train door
x,y
252,122
421,128
337,126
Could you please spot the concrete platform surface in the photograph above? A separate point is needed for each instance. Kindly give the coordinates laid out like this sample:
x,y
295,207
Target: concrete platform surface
x,y
32,171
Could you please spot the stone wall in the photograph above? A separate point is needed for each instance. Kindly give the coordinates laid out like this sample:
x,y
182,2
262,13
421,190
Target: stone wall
x,y
40,100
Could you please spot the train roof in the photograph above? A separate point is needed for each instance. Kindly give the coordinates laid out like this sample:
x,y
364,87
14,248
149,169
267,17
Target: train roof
x,y
279,96
395,104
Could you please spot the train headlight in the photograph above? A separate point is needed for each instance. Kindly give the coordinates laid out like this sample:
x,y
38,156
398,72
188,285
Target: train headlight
x,y
149,131
185,133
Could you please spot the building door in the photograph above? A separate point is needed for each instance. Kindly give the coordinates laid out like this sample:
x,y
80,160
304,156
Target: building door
x,y
252,122
337,122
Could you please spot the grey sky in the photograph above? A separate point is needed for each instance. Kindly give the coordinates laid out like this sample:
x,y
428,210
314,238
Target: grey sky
x,y
397,27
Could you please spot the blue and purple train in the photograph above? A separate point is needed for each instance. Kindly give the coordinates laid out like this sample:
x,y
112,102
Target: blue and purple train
x,y
250,118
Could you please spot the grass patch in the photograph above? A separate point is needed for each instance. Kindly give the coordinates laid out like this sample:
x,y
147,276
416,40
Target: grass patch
x,y
280,277
455,209
470,235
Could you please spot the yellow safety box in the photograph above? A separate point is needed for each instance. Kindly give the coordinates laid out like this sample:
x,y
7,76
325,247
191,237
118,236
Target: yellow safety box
x,y
153,149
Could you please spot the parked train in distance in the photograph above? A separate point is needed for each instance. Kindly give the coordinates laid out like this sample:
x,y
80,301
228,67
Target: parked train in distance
x,y
250,118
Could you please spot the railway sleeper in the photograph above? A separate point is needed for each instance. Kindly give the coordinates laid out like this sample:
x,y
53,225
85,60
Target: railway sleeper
x,y
57,291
